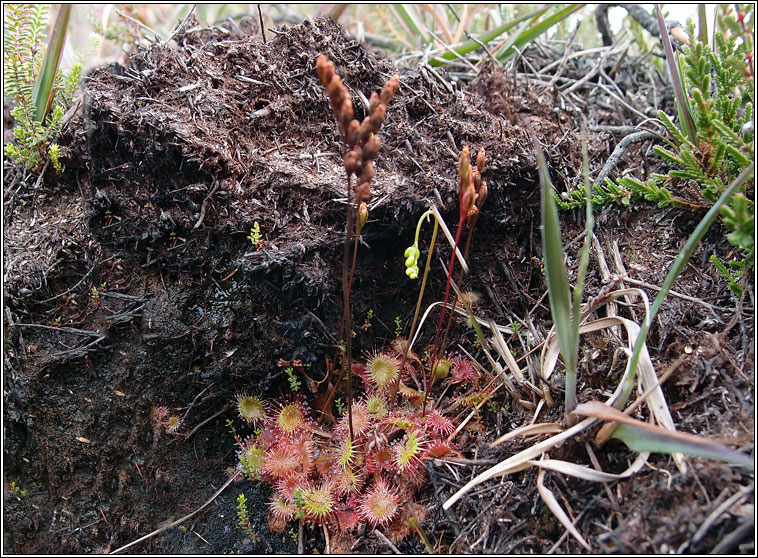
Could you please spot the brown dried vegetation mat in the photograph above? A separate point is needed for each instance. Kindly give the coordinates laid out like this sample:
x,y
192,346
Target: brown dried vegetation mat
x,y
142,289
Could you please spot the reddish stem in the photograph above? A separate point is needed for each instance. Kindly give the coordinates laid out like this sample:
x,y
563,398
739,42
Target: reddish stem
x,y
442,316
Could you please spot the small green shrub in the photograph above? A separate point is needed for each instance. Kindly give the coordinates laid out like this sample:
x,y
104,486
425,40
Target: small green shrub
x,y
35,131
720,95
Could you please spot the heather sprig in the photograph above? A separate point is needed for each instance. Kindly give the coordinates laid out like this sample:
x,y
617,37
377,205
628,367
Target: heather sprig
x,y
41,94
713,135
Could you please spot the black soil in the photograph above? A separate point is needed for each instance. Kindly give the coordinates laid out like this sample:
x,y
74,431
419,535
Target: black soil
x,y
130,283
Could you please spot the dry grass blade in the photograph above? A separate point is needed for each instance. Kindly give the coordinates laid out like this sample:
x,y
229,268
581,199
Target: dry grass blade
x,y
550,501
529,430
180,520
655,398
585,473
520,460
505,353
449,237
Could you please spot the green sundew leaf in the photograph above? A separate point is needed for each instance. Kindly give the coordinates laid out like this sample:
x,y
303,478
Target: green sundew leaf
x,y
555,270
642,436
531,32
43,92
470,46
676,78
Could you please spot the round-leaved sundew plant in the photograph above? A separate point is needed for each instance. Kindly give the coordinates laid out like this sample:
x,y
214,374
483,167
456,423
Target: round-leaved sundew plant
x,y
382,369
250,408
380,504
322,475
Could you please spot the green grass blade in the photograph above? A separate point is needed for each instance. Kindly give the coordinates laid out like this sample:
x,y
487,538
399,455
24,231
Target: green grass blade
x,y
676,269
702,24
409,19
558,290
531,32
470,46
665,441
685,116
43,92
642,436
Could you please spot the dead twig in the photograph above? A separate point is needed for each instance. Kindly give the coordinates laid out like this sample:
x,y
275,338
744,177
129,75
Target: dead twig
x,y
621,148
180,27
209,419
204,206
711,307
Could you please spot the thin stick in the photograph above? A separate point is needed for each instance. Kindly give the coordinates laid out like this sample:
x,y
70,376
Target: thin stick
x,y
180,27
206,421
139,23
385,540
260,18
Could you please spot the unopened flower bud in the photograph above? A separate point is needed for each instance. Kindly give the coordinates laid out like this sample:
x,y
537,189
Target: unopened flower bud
x,y
362,216
371,148
367,172
373,102
377,118
352,161
476,178
463,166
363,191
324,70
466,199
472,216
346,111
442,369
365,130
352,134
335,91
480,160
481,195
389,90
412,254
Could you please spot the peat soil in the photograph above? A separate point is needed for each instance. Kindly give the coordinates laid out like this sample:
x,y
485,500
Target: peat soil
x,y
130,283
